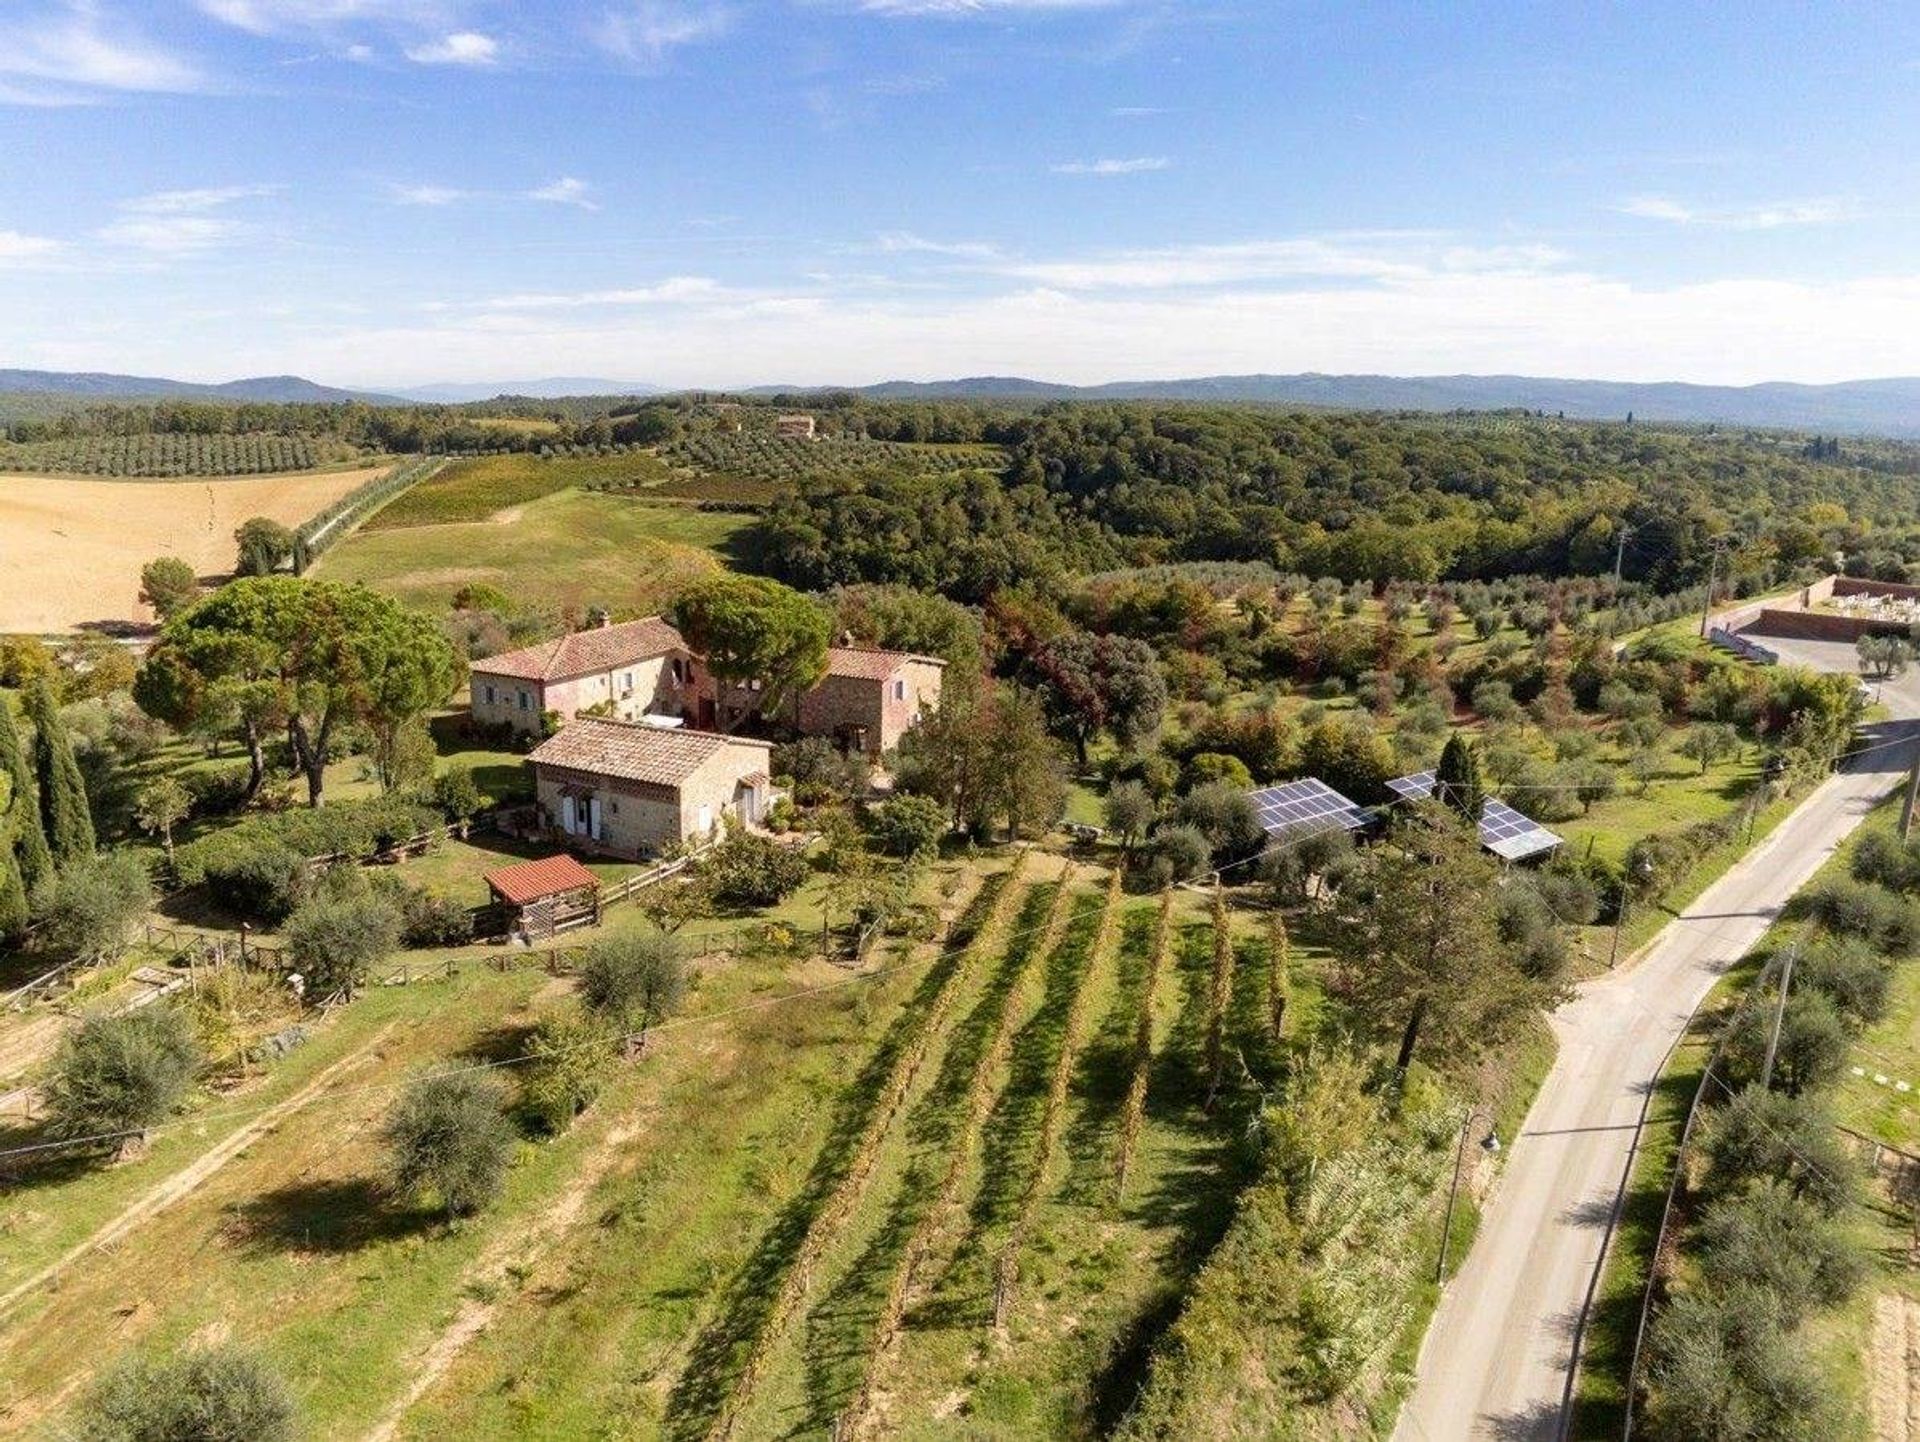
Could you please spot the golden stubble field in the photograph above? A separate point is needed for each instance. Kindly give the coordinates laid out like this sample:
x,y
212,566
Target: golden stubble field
x,y
71,548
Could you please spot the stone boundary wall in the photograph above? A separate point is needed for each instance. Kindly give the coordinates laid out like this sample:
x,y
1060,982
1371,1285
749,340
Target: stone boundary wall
x,y
1794,617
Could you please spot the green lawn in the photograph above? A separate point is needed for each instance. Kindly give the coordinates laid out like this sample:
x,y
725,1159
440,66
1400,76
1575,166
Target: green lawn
x,y
571,549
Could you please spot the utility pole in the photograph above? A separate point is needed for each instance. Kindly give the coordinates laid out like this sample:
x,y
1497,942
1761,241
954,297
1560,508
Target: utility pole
x,y
1620,549
1779,1014
1913,793
1719,544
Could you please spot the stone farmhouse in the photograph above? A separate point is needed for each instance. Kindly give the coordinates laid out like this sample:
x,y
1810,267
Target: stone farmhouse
x,y
633,669
869,698
636,670
626,788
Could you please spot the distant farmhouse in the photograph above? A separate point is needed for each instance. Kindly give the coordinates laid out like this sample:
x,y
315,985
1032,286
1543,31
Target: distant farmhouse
x,y
797,426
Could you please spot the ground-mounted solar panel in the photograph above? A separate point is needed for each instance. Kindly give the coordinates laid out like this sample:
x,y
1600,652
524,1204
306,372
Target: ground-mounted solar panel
x,y
1417,787
1301,808
1503,831
1511,836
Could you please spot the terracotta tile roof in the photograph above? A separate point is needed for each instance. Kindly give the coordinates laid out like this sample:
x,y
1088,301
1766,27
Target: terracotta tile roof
x,y
866,663
586,653
635,751
529,881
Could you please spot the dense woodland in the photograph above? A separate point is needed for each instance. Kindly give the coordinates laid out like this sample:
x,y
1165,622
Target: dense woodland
x,y
1069,488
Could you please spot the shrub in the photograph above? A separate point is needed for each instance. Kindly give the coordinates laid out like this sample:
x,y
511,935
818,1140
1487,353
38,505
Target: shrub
x,y
747,869
1772,1240
910,826
215,1394
633,981
1212,766
1178,852
1224,814
1851,973
568,1062
263,883
457,794
335,941
89,908
1883,858
1814,1042
1129,810
429,919
1861,909
124,1073
450,1142
1764,1134
1722,1365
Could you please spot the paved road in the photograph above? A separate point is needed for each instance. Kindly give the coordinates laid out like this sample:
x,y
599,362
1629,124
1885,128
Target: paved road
x,y
1496,1357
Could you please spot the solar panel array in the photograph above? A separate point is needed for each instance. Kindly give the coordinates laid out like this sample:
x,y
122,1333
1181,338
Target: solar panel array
x,y
1301,808
1511,836
1417,787
1503,831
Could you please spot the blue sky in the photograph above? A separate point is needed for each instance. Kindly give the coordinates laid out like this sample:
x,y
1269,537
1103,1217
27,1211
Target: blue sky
x,y
723,192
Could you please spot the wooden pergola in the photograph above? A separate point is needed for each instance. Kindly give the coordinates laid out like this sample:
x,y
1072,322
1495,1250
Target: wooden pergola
x,y
542,898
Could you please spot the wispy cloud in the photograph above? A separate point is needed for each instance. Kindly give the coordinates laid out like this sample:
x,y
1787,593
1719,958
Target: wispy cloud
x,y
645,32
1770,216
565,191
268,17
426,194
961,9
19,249
906,242
67,55
463,47
1137,165
1386,257
675,290
182,222
1137,112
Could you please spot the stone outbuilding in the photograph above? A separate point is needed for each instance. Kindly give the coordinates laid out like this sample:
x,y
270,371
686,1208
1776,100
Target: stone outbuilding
x,y
539,899
868,698
626,671
629,789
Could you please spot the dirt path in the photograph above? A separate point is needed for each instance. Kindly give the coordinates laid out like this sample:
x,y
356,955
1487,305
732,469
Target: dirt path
x,y
183,1182
1896,1368
510,1253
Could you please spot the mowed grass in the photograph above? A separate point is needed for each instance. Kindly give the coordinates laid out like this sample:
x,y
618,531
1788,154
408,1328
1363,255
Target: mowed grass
x,y
567,550
473,490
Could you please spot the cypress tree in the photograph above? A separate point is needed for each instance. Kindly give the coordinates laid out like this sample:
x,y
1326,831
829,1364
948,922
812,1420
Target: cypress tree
x,y
13,897
1456,781
63,794
21,817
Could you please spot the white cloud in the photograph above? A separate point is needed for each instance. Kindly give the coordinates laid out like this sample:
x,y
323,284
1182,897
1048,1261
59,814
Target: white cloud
x,y
182,222
16,248
644,32
1134,166
961,9
1137,112
267,17
1379,256
59,57
463,47
425,194
675,290
1772,216
906,242
565,191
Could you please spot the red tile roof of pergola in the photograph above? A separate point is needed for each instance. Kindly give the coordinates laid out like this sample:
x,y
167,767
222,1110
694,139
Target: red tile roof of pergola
x,y
530,881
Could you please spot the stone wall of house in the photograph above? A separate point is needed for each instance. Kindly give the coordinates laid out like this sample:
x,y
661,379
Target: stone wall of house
x,y
668,685
509,700
886,709
639,820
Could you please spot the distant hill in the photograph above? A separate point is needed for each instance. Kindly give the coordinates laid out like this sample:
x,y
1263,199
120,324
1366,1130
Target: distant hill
x,y
1888,407
550,388
99,385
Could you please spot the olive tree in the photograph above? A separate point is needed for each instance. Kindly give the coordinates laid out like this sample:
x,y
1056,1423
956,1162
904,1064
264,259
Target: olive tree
x,y
450,1142
116,1076
212,1394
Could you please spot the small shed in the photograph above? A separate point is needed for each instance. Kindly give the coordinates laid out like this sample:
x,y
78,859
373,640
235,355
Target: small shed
x,y
540,899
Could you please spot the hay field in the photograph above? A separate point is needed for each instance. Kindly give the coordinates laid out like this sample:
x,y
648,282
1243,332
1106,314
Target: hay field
x,y
71,548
